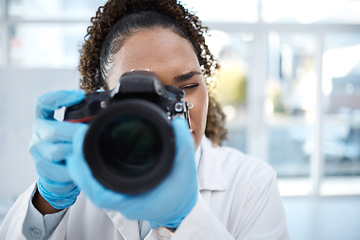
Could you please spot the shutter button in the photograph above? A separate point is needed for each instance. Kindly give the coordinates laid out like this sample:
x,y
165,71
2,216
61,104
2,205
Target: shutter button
x,y
36,233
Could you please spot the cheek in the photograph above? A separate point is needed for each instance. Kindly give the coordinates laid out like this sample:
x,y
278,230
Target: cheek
x,y
198,113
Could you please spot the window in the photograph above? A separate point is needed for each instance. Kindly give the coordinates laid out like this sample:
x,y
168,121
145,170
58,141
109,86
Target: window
x,y
233,53
225,10
309,11
55,9
43,34
341,107
289,77
290,101
37,45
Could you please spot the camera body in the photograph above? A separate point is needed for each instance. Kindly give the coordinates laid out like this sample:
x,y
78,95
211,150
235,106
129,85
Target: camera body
x,y
138,85
130,144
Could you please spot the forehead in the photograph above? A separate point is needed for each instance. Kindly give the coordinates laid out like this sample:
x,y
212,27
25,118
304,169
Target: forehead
x,y
153,49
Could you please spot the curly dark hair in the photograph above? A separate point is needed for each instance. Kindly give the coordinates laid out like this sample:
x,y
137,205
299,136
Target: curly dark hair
x,y
95,53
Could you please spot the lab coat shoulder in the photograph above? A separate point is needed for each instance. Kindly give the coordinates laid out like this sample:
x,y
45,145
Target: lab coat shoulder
x,y
239,198
11,227
83,220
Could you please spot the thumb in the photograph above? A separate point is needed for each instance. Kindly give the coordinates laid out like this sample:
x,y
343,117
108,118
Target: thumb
x,y
49,102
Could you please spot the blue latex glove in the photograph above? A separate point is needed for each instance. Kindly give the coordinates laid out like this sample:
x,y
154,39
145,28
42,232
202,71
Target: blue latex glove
x,y
166,205
50,146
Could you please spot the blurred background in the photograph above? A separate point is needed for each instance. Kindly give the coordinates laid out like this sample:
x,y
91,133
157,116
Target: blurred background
x,y
289,84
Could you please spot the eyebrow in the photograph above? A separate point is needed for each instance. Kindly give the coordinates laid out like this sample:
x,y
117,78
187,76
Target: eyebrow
x,y
186,76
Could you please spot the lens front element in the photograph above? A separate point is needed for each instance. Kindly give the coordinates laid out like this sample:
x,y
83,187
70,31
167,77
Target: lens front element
x,y
130,146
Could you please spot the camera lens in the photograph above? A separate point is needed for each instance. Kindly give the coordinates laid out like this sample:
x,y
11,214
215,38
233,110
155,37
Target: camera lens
x,y
130,145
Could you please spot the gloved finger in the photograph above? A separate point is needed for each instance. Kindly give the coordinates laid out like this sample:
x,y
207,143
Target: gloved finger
x,y
184,163
49,102
52,171
54,130
182,170
184,142
49,151
81,174
56,187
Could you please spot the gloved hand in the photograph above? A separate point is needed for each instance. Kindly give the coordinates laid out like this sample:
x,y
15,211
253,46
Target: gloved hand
x,y
166,205
50,146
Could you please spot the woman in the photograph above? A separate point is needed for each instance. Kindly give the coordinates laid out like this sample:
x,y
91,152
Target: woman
x,y
217,193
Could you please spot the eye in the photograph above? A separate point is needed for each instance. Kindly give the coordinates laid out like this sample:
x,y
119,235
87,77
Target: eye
x,y
189,87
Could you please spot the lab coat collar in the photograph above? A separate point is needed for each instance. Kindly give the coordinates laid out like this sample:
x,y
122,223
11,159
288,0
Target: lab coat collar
x,y
129,229
210,170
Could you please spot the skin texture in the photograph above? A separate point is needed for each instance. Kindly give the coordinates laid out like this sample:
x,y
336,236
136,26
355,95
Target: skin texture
x,y
174,61
42,205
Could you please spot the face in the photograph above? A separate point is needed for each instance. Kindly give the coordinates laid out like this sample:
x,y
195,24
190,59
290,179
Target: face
x,y
174,61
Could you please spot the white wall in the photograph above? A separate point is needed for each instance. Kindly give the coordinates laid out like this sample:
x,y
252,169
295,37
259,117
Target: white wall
x,y
18,93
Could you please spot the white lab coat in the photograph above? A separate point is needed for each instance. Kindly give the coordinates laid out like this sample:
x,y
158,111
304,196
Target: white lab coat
x,y
238,199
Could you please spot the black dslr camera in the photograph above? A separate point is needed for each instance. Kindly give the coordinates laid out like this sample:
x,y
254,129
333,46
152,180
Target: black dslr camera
x,y
130,144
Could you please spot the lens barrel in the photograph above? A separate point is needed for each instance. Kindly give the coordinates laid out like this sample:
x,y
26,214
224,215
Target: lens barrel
x,y
130,146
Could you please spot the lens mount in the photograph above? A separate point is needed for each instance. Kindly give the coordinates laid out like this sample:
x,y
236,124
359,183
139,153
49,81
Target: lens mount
x,y
130,146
